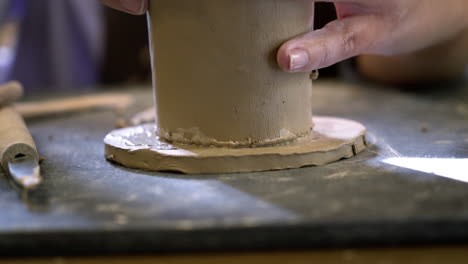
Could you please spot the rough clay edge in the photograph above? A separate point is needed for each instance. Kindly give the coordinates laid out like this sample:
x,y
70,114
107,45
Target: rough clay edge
x,y
226,163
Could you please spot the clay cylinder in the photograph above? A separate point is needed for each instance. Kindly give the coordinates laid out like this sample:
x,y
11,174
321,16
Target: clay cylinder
x,y
215,73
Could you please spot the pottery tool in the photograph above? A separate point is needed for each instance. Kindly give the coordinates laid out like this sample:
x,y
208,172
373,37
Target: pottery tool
x,y
112,101
18,154
10,92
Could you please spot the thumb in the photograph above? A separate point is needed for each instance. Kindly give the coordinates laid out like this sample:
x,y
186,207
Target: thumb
x,y
337,41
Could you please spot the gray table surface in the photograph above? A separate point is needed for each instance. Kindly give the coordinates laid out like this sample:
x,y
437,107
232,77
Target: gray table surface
x,y
87,205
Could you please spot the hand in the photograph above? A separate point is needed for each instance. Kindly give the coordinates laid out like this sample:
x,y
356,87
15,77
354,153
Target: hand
x,y
136,7
379,27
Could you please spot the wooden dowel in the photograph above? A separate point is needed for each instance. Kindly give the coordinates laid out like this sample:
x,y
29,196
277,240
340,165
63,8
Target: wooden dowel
x,y
10,92
112,101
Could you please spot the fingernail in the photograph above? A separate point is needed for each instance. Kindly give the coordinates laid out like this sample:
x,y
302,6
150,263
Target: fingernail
x,y
298,59
134,6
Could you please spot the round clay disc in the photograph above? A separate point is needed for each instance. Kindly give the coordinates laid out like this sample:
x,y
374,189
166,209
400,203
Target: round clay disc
x,y
332,139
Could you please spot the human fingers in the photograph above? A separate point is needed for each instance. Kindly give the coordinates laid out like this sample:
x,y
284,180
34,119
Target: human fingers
x,y
381,27
337,41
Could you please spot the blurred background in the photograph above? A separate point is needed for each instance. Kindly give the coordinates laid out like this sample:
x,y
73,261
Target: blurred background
x,y
80,44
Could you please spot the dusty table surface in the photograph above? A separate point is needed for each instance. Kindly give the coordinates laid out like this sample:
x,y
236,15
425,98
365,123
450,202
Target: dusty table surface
x,y
386,196
412,255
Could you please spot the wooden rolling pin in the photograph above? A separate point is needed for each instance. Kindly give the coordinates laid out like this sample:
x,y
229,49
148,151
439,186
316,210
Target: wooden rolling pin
x,y
18,154
113,101
10,92
15,138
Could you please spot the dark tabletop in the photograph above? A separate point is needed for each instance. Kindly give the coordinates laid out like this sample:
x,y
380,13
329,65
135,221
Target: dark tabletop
x,y
409,187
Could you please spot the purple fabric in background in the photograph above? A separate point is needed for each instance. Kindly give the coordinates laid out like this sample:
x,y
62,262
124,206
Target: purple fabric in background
x,y
60,45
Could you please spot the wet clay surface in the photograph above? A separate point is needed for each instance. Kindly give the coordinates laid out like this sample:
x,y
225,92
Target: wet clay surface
x,y
139,148
224,87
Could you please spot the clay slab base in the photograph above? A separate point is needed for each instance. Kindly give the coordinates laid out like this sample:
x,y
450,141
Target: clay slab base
x,y
332,139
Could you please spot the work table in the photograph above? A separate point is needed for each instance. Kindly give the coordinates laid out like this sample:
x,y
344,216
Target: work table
x,y
385,196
